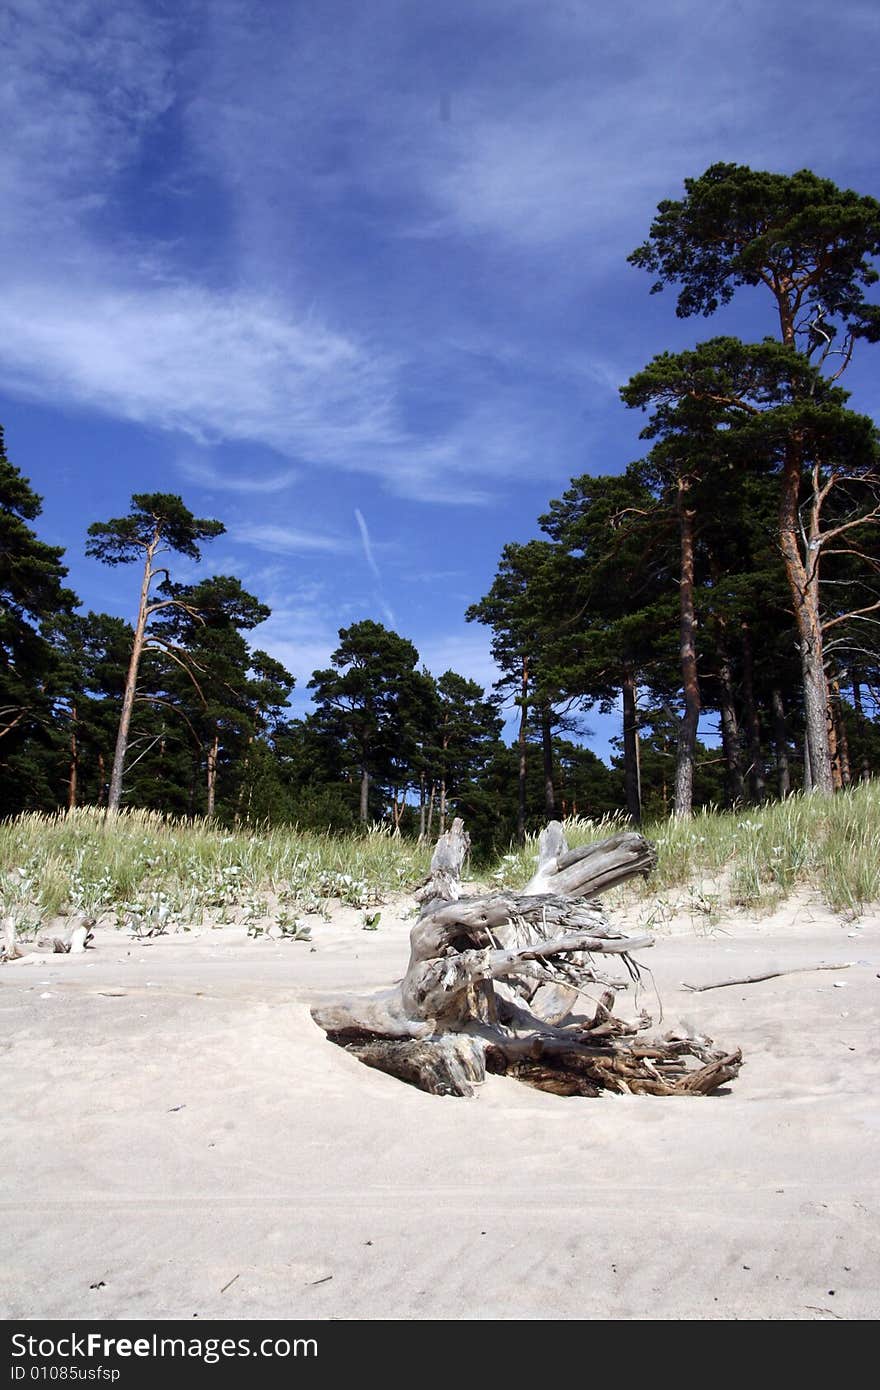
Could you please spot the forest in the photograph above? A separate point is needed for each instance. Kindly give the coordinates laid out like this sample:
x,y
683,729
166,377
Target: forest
x,y
728,580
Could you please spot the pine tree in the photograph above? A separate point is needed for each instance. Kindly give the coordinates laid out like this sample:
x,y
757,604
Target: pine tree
x,y
525,608
811,246
32,594
759,406
157,524
358,701
620,601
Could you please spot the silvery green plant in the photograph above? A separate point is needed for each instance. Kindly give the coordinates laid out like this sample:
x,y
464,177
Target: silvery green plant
x,y
19,891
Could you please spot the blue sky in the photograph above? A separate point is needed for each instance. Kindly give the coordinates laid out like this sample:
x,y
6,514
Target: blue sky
x,y
352,276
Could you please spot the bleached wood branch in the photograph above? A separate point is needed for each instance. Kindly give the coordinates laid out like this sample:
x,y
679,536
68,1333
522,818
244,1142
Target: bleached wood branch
x,y
769,975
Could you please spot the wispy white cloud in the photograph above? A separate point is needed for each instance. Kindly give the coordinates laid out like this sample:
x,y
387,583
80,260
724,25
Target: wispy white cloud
x,y
123,322
228,368
181,357
208,475
365,541
387,610
288,540
302,631
533,164
83,82
562,125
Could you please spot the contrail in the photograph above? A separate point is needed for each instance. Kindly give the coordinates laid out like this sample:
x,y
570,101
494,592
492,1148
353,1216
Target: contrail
x,y
365,537
371,561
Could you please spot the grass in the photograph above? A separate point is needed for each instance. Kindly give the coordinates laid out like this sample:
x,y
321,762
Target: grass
x,y
155,874
152,872
830,845
752,858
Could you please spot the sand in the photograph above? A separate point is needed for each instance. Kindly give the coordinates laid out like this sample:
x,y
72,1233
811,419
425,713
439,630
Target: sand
x,y
182,1141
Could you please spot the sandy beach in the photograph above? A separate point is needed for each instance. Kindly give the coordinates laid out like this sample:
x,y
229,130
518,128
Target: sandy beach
x,y
182,1141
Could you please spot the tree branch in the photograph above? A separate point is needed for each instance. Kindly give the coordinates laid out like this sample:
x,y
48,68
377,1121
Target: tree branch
x,y
846,617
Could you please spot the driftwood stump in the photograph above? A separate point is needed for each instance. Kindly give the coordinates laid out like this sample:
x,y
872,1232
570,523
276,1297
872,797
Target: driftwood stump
x,y
492,982
75,937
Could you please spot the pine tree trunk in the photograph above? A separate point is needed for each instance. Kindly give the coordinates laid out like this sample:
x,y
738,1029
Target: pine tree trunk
x,y
730,733
243,784
687,736
137,647
431,797
213,753
833,750
808,770
816,713
444,745
521,803
365,795
804,588
421,806
631,779
753,722
74,762
841,739
547,749
730,737
780,743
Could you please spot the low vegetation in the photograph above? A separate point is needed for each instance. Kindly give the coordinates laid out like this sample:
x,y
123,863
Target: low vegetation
x,y
149,873
751,858
157,873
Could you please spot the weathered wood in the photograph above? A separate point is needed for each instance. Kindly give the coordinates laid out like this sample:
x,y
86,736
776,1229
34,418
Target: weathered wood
x,y
434,995
460,945
592,869
11,949
75,939
437,989
451,1065
551,845
662,1070
444,883
492,979
355,1018
482,921
454,1064
768,975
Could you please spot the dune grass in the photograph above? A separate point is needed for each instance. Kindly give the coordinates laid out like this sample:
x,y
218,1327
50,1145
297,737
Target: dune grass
x,y
142,868
139,868
752,858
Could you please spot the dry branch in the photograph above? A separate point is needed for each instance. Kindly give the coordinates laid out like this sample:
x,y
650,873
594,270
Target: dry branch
x,y
770,975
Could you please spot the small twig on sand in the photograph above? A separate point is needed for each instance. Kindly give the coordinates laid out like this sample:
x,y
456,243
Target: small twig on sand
x,y
771,975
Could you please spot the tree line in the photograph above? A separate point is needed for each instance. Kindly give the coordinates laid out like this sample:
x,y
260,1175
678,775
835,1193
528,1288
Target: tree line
x,y
735,568
732,572
178,712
